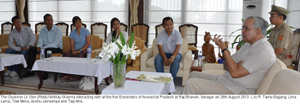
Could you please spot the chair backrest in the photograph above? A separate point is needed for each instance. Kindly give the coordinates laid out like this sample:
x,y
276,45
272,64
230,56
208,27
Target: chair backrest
x,y
286,81
64,27
99,29
38,27
123,27
73,27
158,29
66,44
141,30
265,84
295,50
6,27
189,31
3,39
184,47
139,43
96,42
26,24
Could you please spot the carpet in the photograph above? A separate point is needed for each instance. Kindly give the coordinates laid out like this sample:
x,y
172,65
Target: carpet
x,y
23,89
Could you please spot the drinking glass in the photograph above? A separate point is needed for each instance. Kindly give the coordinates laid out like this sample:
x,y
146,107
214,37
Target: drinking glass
x,y
49,54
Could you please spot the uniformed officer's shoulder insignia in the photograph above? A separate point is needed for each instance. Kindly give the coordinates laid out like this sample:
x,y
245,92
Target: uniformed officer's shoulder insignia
x,y
280,37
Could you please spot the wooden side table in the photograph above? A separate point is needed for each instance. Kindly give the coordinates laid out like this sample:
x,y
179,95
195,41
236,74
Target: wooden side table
x,y
196,68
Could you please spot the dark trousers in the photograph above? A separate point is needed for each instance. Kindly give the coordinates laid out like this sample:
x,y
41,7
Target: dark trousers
x,y
32,55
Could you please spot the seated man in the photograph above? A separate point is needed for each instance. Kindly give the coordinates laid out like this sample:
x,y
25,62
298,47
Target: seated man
x,y
24,39
168,44
245,69
51,38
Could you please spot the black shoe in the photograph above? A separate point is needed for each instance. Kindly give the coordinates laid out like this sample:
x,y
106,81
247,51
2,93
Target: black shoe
x,y
27,74
45,76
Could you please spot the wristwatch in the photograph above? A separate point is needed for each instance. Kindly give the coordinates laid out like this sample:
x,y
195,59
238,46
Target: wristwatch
x,y
80,50
224,50
173,57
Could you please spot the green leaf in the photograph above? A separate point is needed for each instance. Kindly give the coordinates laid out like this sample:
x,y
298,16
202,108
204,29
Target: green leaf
x,y
117,59
235,31
123,60
122,39
120,47
131,40
235,39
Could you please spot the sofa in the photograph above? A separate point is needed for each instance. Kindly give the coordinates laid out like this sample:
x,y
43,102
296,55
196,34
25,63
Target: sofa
x,y
96,43
147,60
278,75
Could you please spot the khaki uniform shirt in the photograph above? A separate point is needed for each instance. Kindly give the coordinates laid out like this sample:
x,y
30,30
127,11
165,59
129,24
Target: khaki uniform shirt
x,y
282,37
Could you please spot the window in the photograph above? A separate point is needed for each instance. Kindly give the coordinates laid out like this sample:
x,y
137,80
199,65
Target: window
x,y
215,16
8,10
90,11
294,15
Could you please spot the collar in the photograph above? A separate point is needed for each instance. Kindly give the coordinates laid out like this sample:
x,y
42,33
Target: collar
x,y
280,26
257,43
51,28
171,33
22,29
80,29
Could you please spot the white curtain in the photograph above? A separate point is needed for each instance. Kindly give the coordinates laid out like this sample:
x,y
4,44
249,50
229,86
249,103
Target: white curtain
x,y
90,11
133,10
21,6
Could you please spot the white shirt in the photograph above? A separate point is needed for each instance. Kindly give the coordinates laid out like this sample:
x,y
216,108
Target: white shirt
x,y
169,42
257,59
109,37
23,38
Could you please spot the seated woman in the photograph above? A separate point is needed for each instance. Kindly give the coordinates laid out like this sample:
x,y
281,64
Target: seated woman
x,y
115,24
80,41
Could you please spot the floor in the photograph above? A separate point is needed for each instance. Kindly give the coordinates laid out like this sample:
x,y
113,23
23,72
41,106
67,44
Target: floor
x,y
33,80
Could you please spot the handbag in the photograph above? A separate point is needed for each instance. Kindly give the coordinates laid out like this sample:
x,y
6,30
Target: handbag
x,y
87,83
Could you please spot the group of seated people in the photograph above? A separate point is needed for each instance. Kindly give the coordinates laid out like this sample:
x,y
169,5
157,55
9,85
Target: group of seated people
x,y
245,69
50,38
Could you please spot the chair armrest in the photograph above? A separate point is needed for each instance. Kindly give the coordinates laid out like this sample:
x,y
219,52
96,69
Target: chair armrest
x,y
187,59
95,52
212,66
4,48
144,57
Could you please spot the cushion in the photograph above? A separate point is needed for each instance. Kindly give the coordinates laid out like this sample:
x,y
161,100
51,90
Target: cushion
x,y
66,44
192,48
286,81
3,39
264,86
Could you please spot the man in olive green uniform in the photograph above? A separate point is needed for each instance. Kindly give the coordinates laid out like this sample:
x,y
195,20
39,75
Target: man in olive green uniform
x,y
281,37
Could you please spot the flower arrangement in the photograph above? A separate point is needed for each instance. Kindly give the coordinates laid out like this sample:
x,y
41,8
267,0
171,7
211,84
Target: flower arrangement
x,y
118,52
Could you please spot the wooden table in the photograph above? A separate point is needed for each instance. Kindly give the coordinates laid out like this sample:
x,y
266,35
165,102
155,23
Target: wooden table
x,y
196,68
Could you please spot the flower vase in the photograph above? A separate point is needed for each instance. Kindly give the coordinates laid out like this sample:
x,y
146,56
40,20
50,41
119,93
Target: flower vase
x,y
119,75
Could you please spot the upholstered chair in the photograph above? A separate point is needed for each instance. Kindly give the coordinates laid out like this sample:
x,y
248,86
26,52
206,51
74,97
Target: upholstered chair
x,y
134,65
189,31
6,27
141,30
99,29
147,60
39,26
64,27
